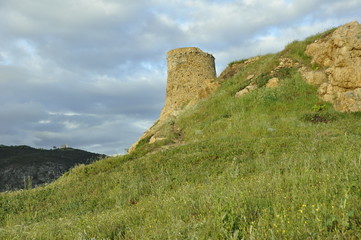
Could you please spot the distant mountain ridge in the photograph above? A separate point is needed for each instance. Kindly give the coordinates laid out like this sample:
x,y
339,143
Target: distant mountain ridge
x,y
27,167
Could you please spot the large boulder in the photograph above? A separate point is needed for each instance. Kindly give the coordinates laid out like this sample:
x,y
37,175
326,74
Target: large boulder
x,y
340,56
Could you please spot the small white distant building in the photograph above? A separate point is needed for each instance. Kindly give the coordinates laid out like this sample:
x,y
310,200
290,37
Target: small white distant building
x,y
64,146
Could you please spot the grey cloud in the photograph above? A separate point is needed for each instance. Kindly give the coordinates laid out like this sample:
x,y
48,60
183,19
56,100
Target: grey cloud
x,y
17,119
94,102
85,34
65,16
92,74
111,130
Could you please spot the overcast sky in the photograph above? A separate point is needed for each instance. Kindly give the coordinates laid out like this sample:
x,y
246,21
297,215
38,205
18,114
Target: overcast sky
x,y
92,73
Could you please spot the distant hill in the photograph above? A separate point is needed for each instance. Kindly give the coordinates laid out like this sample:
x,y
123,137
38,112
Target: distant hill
x,y
27,167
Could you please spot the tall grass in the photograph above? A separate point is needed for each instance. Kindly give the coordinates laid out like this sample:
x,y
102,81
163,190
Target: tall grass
x,y
252,167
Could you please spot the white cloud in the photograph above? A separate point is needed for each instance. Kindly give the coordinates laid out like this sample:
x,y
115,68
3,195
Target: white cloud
x,y
44,121
71,125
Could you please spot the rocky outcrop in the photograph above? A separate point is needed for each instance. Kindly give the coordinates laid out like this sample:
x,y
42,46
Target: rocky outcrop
x,y
236,67
246,90
313,77
272,76
285,62
338,75
273,82
339,55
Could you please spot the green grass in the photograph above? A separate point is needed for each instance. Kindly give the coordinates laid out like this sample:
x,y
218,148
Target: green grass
x,y
237,61
254,167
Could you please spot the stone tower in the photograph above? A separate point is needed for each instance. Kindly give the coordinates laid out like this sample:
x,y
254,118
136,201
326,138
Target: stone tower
x,y
190,75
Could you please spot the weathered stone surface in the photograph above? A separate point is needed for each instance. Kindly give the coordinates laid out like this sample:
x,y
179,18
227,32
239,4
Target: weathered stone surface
x,y
285,63
234,68
154,139
313,77
242,92
190,75
246,90
328,92
349,100
273,82
340,54
250,77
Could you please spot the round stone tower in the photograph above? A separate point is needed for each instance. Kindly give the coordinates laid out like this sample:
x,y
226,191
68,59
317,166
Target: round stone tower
x,y
190,75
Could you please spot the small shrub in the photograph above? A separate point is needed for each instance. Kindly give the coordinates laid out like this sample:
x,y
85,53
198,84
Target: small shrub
x,y
226,115
262,79
285,72
237,61
143,141
319,107
319,117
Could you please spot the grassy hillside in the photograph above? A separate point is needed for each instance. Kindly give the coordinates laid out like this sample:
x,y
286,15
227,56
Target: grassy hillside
x,y
262,166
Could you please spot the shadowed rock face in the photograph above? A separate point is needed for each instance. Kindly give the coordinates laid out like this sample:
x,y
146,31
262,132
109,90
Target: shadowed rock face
x,y
23,166
19,177
340,54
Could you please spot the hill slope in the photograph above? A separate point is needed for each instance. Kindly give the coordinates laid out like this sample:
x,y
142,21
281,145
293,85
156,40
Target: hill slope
x,y
24,166
273,163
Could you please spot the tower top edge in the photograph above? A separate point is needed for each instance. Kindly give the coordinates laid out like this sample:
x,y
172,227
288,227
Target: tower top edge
x,y
187,50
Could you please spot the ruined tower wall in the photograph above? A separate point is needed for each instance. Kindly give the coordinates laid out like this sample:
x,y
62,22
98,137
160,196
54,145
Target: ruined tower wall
x,y
190,75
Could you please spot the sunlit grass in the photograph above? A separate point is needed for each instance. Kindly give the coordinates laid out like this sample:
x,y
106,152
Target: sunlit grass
x,y
252,167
